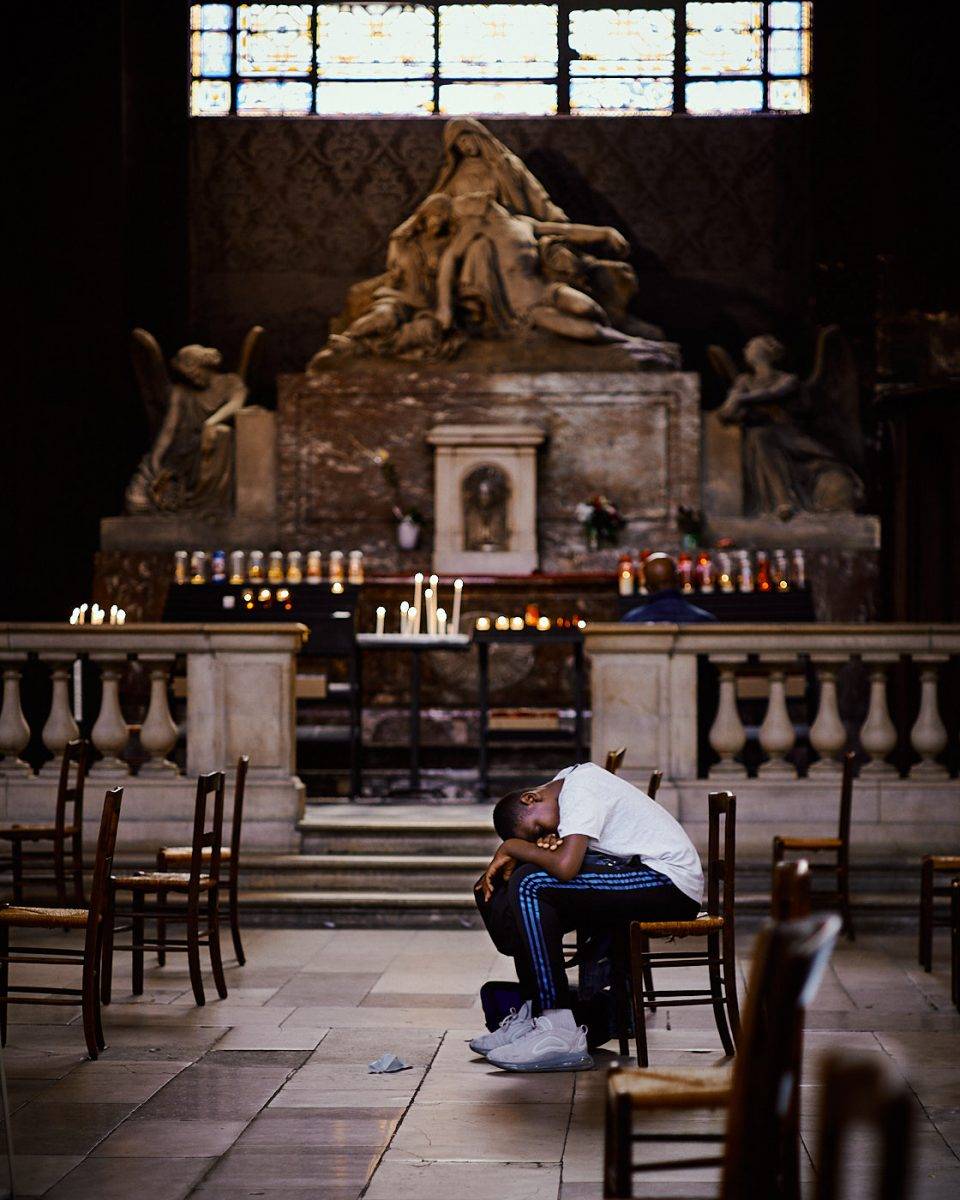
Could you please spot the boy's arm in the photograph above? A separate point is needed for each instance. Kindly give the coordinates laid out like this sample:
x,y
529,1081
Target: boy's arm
x,y
563,863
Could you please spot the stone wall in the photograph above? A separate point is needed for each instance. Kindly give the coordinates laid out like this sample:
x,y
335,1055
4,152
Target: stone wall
x,y
285,215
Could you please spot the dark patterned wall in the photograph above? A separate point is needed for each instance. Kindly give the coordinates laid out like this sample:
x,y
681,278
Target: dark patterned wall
x,y
286,214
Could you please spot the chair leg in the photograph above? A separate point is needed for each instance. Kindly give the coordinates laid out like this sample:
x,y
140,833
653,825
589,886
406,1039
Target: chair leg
x,y
16,857
639,1009
618,1149
78,869
730,983
89,1006
161,931
213,937
60,871
234,913
714,960
106,951
843,887
649,993
620,956
137,941
926,916
4,981
97,1015
193,951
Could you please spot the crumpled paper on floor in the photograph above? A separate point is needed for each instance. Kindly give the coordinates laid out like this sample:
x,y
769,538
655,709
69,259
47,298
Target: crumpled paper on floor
x,y
386,1064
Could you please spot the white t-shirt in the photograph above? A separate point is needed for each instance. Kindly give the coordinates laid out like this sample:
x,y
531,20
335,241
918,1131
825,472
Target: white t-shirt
x,y
620,820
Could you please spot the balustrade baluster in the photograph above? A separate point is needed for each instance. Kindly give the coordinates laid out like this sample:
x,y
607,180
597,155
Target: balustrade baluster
x,y
158,734
777,734
109,733
828,735
878,735
727,734
14,730
929,734
60,727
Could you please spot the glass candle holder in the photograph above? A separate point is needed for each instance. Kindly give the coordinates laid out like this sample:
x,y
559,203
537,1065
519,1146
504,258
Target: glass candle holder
x,y
336,566
181,566
355,567
198,566
294,567
314,566
255,571
275,572
238,562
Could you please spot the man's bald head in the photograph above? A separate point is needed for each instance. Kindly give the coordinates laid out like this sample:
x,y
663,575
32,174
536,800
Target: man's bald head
x,y
660,572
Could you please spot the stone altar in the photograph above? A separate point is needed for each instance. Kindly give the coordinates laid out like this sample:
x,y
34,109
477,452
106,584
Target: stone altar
x,y
633,435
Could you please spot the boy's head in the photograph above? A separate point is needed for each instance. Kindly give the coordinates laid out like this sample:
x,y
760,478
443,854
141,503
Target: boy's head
x,y
528,813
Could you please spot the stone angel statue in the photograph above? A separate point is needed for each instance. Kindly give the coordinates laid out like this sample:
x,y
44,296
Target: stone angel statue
x,y
802,448
189,466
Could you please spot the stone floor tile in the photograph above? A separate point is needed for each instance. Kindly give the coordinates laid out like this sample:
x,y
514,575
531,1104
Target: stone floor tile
x,y
351,1046
413,1000
246,1037
170,1138
320,1128
479,1082
335,988
284,1167
220,1093
42,1127
121,1179
238,1059
471,1132
398,1176
434,1019
37,1173
96,1082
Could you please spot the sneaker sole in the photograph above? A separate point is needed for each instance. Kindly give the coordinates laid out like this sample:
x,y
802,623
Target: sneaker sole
x,y
562,1062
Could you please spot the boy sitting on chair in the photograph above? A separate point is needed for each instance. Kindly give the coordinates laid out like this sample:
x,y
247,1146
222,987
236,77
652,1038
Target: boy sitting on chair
x,y
586,849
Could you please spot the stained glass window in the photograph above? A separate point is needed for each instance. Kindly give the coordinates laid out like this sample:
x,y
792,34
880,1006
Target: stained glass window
x,y
711,58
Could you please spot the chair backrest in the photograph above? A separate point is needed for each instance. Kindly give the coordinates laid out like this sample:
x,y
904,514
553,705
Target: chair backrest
x,y
207,835
846,803
75,754
656,778
721,854
615,760
789,960
103,865
861,1094
239,787
791,890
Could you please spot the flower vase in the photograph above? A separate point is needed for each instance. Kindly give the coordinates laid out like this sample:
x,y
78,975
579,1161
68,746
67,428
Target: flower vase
x,y
408,534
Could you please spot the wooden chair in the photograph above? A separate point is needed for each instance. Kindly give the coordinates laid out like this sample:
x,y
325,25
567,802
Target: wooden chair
x,y
862,1094
615,760
790,899
929,892
202,880
759,1141
840,845
716,924
955,943
179,857
52,860
92,920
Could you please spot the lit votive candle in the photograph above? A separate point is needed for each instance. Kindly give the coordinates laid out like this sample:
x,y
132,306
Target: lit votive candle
x,y
503,622
121,616
337,588
543,624
381,620
483,624
442,622
516,624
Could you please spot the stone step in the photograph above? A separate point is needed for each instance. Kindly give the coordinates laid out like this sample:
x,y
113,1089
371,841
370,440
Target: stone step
x,y
415,829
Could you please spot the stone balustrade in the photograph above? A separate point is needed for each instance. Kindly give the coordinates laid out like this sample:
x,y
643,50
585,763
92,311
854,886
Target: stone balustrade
x,y
649,695
239,700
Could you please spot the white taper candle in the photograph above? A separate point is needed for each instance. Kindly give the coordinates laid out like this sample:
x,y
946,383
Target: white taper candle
x,y
457,598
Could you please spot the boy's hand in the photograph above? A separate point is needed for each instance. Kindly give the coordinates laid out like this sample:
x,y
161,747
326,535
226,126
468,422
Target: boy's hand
x,y
501,863
550,841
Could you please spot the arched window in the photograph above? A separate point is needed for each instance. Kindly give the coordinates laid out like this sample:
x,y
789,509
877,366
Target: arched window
x,y
725,56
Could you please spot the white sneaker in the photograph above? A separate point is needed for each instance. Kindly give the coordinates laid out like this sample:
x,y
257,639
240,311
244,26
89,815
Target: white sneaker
x,y
555,1043
514,1025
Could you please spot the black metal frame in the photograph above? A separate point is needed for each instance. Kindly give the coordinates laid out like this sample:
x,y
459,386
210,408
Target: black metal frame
x,y
561,79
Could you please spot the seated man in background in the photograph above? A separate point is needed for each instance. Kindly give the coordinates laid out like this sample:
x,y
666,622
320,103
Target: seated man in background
x,y
587,848
666,602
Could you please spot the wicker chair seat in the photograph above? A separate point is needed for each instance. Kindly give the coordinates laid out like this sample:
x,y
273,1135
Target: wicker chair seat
x,y
183,854
802,843
43,918
158,880
653,1087
700,926
13,832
